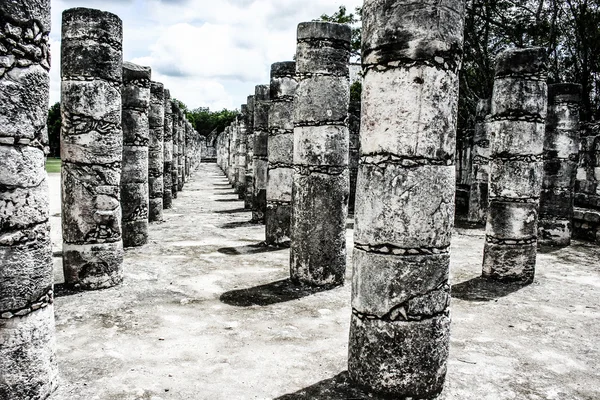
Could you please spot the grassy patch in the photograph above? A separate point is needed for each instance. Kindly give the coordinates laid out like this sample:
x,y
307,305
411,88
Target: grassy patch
x,y
53,165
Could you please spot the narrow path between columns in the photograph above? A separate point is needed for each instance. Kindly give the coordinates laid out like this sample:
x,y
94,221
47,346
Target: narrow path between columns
x,y
182,327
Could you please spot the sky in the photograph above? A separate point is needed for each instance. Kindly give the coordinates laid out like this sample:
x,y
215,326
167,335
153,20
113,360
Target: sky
x,y
209,53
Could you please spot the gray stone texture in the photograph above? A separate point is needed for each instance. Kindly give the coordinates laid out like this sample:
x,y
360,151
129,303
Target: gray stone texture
x,y
260,153
404,212
478,194
517,125
175,164
134,177
248,198
280,149
242,152
561,156
354,145
156,159
168,153
181,151
320,155
27,364
91,148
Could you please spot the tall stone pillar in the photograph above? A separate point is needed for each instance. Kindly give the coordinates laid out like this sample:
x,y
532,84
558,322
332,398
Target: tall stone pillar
x,y
188,150
168,153
134,178
478,196
175,166
27,344
248,199
91,148
561,157
242,150
400,325
354,144
280,153
321,139
156,161
233,142
180,150
259,156
517,125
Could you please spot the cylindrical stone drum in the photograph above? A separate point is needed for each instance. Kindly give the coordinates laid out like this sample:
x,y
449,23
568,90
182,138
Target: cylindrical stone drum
x,y
175,167
91,148
156,161
168,153
400,326
561,157
27,344
478,193
280,154
248,199
260,160
320,155
517,128
242,150
134,177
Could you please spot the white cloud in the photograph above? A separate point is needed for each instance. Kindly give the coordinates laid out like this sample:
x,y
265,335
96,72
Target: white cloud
x,y
208,53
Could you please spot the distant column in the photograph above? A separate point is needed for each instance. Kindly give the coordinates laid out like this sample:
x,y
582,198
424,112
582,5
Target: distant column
x,y
180,150
561,156
134,179
249,198
400,326
517,126
280,153
242,149
260,160
27,342
156,161
321,139
175,166
91,148
478,196
168,153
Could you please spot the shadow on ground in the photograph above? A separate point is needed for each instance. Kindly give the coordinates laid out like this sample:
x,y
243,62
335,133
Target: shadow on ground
x,y
271,293
336,388
237,224
61,290
227,200
249,249
482,289
234,211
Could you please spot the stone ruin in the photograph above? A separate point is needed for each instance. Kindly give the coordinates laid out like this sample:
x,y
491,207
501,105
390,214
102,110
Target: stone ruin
x,y
298,155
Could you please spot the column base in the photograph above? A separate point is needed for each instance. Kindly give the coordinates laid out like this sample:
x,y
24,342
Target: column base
x,y
93,266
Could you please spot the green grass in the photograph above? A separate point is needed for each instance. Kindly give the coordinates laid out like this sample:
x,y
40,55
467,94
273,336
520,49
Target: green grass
x,y
52,165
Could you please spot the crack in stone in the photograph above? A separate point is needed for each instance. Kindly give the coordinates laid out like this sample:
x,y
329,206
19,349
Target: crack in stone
x,y
319,169
320,43
383,159
510,242
42,302
391,249
302,124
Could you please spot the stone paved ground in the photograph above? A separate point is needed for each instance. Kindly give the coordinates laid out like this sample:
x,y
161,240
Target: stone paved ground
x,y
205,313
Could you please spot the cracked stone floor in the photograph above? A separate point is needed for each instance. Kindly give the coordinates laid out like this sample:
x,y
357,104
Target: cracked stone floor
x,y
207,313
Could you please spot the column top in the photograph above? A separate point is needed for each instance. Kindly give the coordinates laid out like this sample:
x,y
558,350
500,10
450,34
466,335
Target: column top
x,y
324,30
529,61
133,72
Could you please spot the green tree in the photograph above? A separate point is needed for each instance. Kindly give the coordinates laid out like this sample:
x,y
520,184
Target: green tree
x,y
54,121
342,16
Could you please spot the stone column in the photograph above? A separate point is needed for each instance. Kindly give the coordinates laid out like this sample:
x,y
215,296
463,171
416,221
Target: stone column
x,y
321,179
168,153
517,125
561,156
248,199
242,150
354,144
180,151
400,326
91,148
478,196
156,161
188,150
27,344
280,153
134,178
233,142
259,156
175,166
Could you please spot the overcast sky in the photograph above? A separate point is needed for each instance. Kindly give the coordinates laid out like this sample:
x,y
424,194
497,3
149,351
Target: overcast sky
x,y
209,53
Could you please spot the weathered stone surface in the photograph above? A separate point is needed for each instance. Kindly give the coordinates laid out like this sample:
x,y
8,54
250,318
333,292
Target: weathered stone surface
x,y
320,155
248,199
404,212
242,152
516,166
27,360
156,151
175,167
318,246
280,153
134,174
404,207
398,358
561,154
168,153
181,151
27,365
260,153
92,145
478,194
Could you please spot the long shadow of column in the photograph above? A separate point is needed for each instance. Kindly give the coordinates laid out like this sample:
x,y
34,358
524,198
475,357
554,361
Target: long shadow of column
x,y
482,289
337,388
